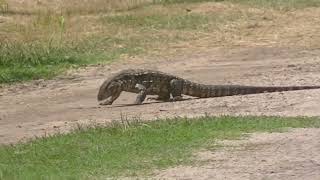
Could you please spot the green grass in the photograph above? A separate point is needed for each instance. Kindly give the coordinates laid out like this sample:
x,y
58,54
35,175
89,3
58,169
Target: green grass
x,y
20,61
130,149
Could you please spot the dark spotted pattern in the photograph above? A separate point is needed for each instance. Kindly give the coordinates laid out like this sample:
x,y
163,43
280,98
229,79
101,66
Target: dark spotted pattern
x,y
151,82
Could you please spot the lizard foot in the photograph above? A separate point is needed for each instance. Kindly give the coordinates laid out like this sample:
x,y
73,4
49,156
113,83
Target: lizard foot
x,y
105,103
154,99
158,99
177,98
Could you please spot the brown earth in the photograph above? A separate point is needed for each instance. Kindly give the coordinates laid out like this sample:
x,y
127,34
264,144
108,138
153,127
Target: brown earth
x,y
43,107
292,155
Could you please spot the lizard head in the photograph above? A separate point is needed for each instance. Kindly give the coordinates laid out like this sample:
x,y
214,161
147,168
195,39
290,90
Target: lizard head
x,y
108,89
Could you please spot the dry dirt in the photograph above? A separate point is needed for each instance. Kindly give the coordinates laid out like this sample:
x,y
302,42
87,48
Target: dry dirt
x,y
44,107
293,155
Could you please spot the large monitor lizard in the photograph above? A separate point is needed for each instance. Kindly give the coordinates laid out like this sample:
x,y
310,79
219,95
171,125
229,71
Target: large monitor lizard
x,y
151,82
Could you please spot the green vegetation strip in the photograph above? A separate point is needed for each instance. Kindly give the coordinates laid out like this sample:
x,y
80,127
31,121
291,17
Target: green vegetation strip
x,y
130,149
45,59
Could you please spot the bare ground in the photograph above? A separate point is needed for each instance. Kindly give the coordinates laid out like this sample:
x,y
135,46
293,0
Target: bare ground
x,y
45,107
292,155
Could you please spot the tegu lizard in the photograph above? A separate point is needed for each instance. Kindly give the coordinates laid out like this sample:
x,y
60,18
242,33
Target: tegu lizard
x,y
171,88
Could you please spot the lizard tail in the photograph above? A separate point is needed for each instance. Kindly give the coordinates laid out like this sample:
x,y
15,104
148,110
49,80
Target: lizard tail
x,y
205,91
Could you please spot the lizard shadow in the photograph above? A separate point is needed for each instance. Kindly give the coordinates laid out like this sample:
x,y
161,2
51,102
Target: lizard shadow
x,y
116,106
146,103
128,105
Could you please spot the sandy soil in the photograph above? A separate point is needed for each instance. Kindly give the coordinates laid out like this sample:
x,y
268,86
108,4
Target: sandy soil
x,y
45,107
292,155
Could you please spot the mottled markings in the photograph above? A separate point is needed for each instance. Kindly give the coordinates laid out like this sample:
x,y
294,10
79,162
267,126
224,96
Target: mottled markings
x,y
248,90
242,91
234,90
219,92
159,84
213,92
227,92
208,91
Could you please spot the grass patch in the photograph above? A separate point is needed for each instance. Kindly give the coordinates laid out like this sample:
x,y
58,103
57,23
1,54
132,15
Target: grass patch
x,y
27,61
129,149
21,61
158,21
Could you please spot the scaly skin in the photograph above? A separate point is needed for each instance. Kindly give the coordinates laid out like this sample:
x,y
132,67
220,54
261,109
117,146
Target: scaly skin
x,y
151,82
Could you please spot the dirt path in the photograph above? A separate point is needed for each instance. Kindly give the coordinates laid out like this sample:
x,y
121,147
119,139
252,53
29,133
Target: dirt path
x,y
293,155
27,111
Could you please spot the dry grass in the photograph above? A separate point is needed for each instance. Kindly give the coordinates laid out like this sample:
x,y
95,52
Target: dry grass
x,y
130,27
220,23
72,7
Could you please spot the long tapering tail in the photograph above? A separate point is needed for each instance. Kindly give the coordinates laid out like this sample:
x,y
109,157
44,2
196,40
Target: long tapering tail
x,y
205,91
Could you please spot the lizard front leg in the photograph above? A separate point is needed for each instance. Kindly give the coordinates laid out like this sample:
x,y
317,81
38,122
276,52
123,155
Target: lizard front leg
x,y
142,93
112,99
176,89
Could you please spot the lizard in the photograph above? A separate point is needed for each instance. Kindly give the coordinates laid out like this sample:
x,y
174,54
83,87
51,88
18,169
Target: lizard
x,y
152,82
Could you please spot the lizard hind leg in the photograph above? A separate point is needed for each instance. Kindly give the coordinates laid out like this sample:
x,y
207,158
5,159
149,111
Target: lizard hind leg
x,y
176,89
